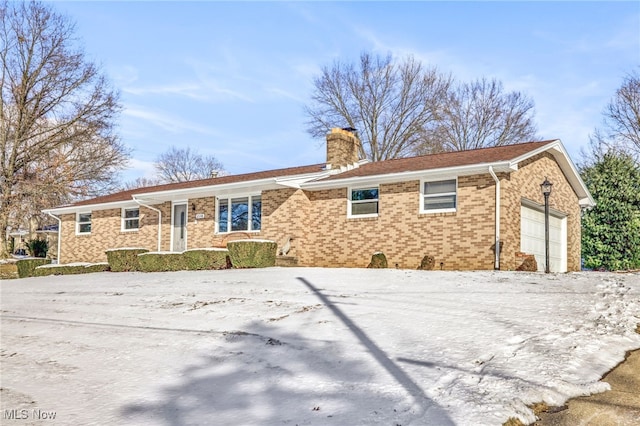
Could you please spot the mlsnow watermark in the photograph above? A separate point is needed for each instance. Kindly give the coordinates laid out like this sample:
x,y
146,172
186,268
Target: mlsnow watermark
x,y
32,414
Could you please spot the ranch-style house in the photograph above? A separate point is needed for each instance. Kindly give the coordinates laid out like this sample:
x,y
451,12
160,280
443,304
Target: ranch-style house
x,y
470,210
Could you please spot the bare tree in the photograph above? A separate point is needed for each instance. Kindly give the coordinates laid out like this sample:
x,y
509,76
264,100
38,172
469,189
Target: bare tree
x,y
391,103
180,165
622,115
141,182
480,114
56,117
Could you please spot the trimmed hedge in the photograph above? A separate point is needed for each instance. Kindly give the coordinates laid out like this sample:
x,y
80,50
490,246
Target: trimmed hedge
x,y
205,259
124,259
71,269
161,262
27,267
191,260
97,267
252,253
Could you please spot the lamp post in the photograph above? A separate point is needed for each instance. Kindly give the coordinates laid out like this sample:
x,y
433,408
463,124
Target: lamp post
x,y
545,187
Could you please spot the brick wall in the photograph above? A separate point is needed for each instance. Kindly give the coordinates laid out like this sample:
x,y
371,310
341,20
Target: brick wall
x,y
200,232
106,233
285,214
460,240
525,183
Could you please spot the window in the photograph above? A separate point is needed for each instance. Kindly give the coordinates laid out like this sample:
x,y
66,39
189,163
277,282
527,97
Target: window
x,y
239,214
439,196
131,219
363,202
83,221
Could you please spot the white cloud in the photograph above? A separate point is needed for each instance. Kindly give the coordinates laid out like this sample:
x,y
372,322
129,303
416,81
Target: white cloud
x,y
123,75
188,90
140,168
167,122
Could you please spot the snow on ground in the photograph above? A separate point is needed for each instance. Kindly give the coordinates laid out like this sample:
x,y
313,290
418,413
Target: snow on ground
x,y
308,346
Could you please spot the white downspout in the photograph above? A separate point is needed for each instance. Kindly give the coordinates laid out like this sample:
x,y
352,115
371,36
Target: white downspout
x,y
159,220
59,235
496,265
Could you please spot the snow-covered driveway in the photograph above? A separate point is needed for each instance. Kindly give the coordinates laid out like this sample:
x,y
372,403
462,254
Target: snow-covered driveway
x,y
307,346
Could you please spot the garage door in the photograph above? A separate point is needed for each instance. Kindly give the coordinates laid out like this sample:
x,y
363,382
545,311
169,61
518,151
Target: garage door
x,y
532,237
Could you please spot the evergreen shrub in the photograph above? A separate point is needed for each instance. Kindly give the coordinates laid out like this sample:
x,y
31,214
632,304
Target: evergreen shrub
x,y
206,259
252,253
27,267
124,259
161,262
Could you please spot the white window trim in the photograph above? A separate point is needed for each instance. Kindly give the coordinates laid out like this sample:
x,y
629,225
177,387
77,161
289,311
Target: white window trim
x,y
78,223
123,219
423,196
350,202
249,212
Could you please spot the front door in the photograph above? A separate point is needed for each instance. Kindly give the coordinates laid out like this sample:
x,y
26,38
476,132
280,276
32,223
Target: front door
x,y
179,227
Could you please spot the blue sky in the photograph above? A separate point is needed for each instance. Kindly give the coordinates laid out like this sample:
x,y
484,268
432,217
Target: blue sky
x,y
231,78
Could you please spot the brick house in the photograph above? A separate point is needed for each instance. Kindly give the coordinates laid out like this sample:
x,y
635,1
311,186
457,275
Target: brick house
x,y
453,206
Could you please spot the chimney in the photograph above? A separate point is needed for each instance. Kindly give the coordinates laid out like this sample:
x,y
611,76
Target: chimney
x,y
343,148
213,174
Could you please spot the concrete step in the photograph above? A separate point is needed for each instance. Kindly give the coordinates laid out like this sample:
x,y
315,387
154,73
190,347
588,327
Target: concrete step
x,y
286,261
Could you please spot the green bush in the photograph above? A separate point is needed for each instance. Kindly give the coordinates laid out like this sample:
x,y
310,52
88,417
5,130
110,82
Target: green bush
x,y
161,262
97,267
205,259
378,260
252,253
27,267
71,269
124,259
38,247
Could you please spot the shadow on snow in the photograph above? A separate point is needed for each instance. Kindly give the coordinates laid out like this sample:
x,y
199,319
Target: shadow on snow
x,y
263,376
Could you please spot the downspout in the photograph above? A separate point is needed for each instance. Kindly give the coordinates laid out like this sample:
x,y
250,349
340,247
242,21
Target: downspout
x,y
496,264
59,235
159,220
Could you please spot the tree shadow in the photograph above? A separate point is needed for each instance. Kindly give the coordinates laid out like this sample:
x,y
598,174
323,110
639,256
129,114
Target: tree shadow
x,y
422,402
263,376
266,375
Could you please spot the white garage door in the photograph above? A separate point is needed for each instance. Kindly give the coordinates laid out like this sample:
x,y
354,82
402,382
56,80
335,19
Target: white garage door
x,y
532,238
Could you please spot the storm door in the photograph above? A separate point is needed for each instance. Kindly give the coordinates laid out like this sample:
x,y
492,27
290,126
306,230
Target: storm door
x,y
179,229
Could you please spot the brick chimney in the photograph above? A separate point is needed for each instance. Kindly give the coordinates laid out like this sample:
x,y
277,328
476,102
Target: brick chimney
x,y
343,148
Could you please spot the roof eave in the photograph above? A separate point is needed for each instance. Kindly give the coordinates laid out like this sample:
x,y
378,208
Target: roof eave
x,y
90,207
557,149
157,197
499,167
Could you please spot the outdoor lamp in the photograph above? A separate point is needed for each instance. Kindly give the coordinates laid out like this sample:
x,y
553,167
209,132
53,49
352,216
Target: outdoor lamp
x,y
545,187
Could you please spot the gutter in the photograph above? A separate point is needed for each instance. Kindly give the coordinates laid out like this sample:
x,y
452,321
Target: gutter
x,y
59,234
496,264
159,219
338,182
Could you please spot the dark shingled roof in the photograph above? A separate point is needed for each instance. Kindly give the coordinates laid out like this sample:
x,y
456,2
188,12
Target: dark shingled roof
x,y
442,160
126,195
424,162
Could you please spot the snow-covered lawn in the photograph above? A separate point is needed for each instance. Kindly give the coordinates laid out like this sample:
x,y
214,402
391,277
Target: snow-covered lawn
x,y
308,346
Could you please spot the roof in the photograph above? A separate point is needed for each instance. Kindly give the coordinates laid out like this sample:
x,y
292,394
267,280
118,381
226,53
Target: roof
x,y
317,176
443,160
246,177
